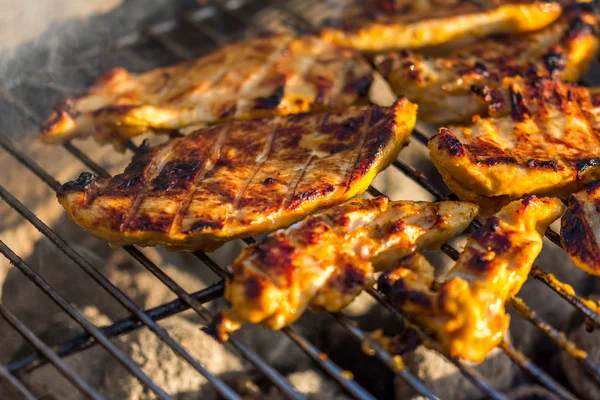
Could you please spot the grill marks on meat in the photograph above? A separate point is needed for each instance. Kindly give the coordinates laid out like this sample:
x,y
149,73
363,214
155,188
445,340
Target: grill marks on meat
x,y
546,141
377,25
467,312
326,260
463,83
265,76
580,229
240,178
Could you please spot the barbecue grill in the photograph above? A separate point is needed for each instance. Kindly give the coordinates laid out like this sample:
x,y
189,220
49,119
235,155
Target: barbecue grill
x,y
195,30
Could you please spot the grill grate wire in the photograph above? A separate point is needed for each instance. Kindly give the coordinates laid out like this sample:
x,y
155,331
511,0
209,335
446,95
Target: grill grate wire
x,y
85,324
529,315
195,300
351,386
113,290
16,383
59,364
248,353
81,344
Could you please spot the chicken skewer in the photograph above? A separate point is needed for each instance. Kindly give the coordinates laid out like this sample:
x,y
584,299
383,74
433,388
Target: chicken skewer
x,y
580,229
467,312
459,85
240,178
543,138
265,76
378,25
326,260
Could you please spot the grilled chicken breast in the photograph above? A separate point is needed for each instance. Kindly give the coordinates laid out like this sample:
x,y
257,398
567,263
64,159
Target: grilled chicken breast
x,y
543,138
378,25
467,312
325,261
239,178
266,76
454,87
580,229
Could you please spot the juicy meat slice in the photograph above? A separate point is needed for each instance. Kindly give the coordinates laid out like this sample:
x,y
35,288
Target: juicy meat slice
x,y
325,261
580,229
543,138
377,25
456,86
467,312
266,76
240,178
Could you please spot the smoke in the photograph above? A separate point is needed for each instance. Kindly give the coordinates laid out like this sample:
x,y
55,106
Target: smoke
x,y
51,34
22,21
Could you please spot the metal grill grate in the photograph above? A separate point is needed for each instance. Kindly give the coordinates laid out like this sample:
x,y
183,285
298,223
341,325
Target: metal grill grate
x,y
165,35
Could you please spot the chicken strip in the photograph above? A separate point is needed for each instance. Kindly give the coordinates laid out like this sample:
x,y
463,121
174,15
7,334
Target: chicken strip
x,y
467,313
240,178
325,261
454,87
543,138
272,75
378,25
580,229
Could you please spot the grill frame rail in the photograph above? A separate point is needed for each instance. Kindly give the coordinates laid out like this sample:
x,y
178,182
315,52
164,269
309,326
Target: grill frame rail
x,y
148,318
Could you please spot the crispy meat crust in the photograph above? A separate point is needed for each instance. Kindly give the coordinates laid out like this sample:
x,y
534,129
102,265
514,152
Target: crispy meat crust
x,y
272,75
543,138
378,25
467,312
456,86
580,229
240,178
326,260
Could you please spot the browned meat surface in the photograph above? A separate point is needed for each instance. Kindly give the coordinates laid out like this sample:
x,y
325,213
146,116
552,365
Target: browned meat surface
x,y
326,260
580,230
265,76
377,25
456,86
467,312
240,178
543,138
